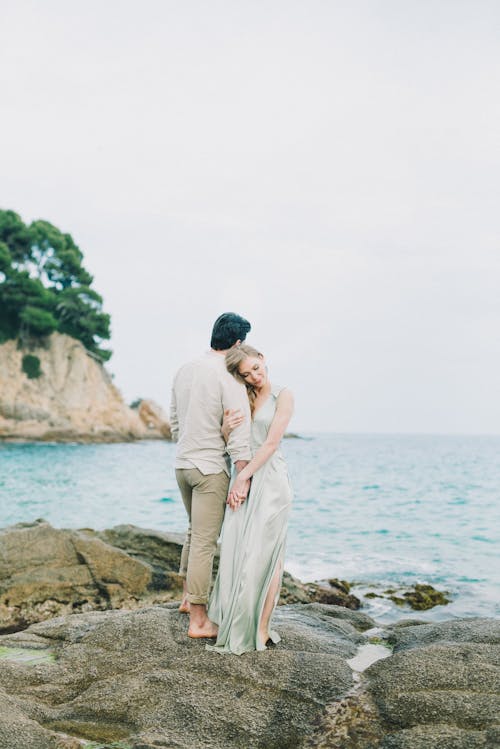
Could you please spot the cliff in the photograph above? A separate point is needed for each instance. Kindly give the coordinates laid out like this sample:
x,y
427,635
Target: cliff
x,y
59,392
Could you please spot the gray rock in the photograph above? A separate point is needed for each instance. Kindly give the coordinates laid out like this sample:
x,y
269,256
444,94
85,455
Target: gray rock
x,y
360,621
458,630
132,676
316,628
442,736
46,572
332,592
441,687
407,623
161,551
17,730
135,676
440,690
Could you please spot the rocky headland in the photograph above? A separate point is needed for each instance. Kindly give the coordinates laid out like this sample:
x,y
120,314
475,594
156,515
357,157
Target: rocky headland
x,y
58,391
94,653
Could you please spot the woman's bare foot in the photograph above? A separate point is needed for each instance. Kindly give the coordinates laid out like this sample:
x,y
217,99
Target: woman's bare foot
x,y
264,637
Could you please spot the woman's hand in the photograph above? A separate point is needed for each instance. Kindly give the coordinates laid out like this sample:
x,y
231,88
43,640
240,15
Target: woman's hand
x,y
238,493
232,419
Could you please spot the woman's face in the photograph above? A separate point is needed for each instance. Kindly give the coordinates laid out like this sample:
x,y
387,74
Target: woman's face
x,y
253,371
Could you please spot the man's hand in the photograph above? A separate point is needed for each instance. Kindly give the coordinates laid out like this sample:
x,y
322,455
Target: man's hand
x,y
239,492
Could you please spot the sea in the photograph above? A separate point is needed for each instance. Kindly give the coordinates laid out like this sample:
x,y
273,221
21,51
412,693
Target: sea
x,y
380,511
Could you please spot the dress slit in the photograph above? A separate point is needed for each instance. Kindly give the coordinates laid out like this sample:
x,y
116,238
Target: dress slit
x,y
272,635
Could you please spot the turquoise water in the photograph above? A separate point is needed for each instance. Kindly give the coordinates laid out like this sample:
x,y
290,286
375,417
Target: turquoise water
x,y
368,508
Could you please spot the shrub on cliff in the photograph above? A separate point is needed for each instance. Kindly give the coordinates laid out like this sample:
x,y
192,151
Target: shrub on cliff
x,y
44,286
31,366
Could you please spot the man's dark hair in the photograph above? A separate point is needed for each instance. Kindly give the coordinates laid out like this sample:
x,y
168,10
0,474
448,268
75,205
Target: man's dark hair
x,y
228,328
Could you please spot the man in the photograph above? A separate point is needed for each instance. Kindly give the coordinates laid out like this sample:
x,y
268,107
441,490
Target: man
x,y
203,390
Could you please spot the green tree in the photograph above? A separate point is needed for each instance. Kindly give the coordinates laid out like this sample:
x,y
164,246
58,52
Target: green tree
x,y
38,321
14,233
56,257
44,286
5,258
17,292
79,312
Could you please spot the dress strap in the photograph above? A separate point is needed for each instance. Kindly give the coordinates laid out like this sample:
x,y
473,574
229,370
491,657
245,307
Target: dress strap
x,y
276,389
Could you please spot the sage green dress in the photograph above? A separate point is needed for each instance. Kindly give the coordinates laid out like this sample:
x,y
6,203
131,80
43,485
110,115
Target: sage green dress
x,y
252,547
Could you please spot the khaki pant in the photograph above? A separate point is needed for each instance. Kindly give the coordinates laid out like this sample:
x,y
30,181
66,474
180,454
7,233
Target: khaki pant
x,y
204,498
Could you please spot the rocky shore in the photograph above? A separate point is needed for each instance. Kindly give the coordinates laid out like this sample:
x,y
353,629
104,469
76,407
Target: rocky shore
x,y
65,395
47,572
94,653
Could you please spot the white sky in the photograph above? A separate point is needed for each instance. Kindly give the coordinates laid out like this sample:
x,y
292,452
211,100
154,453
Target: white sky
x,y
328,169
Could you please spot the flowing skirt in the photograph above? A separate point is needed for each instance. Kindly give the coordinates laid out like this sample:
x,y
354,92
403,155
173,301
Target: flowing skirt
x,y
252,552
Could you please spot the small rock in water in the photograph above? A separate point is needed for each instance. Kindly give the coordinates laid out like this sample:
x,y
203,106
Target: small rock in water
x,y
342,584
335,592
425,597
419,597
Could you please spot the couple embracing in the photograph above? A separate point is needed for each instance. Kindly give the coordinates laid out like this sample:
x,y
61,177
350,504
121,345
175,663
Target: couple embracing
x,y
225,411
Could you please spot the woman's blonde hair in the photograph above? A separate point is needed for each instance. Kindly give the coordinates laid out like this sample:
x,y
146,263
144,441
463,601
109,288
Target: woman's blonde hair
x,y
234,357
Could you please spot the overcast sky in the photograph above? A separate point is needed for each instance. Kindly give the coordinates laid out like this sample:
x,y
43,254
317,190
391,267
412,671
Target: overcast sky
x,y
328,169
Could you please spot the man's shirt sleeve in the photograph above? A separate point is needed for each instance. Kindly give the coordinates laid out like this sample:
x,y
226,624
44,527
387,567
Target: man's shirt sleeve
x,y
174,420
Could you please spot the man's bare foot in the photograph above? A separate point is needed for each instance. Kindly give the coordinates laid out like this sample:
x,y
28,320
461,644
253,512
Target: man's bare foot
x,y
208,630
184,606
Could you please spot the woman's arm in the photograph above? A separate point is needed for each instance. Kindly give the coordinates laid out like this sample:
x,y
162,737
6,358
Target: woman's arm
x,y
232,419
284,411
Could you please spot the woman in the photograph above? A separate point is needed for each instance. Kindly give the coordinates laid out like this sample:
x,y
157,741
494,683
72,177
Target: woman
x,y
254,532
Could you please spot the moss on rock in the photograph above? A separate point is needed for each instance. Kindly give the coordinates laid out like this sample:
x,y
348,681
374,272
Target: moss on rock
x,y
424,597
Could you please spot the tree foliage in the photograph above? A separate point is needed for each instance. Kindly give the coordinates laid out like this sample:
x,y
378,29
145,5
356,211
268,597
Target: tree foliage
x,y
44,286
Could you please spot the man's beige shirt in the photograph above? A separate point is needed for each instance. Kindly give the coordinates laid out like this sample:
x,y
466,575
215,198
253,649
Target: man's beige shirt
x,y
201,392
